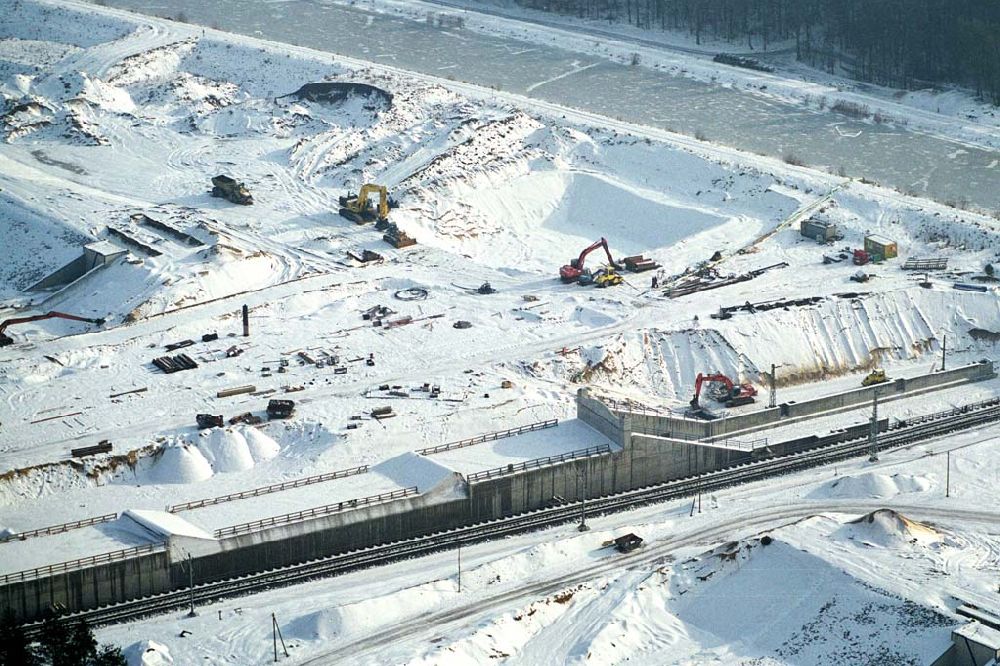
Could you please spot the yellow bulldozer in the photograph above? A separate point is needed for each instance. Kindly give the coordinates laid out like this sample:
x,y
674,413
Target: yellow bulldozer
x,y
358,207
877,376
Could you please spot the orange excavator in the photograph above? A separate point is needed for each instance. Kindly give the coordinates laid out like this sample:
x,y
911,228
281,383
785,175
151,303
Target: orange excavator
x,y
733,395
574,270
7,340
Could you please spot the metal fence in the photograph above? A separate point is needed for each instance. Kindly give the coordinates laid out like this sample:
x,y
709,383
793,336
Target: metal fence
x,y
489,437
537,462
264,490
62,527
82,563
315,512
936,416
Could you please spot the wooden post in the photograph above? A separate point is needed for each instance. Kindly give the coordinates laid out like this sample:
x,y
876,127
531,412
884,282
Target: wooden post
x,y
246,321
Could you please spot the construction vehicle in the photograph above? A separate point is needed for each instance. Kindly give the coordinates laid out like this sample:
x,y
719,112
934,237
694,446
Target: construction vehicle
x,y
732,395
231,190
358,207
876,376
209,421
397,238
280,409
607,277
575,270
7,340
861,258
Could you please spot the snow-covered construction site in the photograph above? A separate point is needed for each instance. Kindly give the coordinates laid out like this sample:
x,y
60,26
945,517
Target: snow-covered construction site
x,y
400,366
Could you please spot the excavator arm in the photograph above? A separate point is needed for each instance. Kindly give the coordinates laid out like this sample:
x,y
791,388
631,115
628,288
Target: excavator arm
x,y
575,268
383,199
7,340
701,379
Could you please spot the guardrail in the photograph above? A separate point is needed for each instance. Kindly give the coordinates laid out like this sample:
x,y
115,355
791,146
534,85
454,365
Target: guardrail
x,y
537,462
82,563
315,512
59,529
489,437
956,411
264,490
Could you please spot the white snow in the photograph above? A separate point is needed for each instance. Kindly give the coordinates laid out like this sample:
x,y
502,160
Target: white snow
x,y
412,469
164,525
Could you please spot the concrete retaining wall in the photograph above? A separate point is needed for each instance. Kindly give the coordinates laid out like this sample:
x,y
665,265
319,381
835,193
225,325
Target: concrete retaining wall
x,y
90,587
321,537
697,429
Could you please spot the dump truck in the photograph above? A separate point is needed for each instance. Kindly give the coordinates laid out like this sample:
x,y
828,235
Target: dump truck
x,y
231,190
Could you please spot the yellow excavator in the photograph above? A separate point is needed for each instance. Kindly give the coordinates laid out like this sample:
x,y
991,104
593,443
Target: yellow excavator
x,y
358,208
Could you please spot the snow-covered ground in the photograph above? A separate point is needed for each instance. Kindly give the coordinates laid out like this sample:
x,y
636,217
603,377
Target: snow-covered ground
x,y
109,114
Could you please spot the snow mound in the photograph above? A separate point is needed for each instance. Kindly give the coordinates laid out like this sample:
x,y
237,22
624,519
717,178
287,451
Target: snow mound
x,y
260,445
871,485
226,450
888,529
411,469
148,653
181,463
369,614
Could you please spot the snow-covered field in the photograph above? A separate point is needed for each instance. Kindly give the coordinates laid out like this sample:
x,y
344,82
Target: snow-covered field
x,y
109,114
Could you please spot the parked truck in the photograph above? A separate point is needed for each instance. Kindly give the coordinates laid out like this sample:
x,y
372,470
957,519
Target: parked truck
x,y
231,190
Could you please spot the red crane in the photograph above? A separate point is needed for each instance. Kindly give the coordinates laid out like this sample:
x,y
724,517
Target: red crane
x,y
742,394
7,340
574,269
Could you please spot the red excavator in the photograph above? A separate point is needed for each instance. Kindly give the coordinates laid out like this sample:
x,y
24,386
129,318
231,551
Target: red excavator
x,y
575,270
7,340
733,395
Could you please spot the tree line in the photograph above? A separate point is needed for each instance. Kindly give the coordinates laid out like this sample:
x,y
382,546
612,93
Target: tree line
x,y
899,43
59,643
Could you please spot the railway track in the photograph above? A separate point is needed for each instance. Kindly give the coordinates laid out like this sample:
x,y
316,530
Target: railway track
x,y
902,434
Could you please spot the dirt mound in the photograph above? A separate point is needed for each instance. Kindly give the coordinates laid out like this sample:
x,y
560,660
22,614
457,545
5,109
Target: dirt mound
x,y
336,92
887,528
871,485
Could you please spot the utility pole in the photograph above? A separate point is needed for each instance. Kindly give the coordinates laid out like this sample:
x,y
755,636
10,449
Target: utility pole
x,y
246,322
276,636
947,476
583,505
191,613
873,436
944,347
773,402
459,567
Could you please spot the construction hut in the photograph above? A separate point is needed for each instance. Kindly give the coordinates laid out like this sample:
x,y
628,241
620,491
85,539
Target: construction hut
x,y
819,231
628,542
100,253
880,247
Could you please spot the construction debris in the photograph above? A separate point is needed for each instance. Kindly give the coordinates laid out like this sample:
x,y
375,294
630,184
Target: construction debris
x,y
138,390
925,264
639,263
246,417
366,257
237,390
179,345
727,311
172,364
104,446
461,323
411,294
382,413
708,278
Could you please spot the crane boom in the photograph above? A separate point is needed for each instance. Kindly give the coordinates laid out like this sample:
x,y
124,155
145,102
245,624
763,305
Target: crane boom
x,y
7,340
